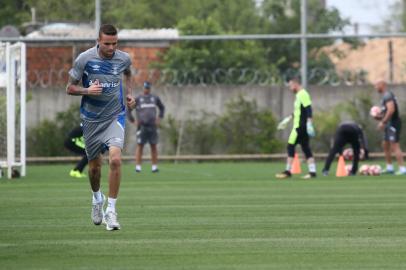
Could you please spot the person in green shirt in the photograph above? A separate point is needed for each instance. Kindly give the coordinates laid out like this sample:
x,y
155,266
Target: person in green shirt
x,y
302,130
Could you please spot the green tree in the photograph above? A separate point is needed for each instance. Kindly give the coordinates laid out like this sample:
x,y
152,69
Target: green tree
x,y
284,17
210,56
13,12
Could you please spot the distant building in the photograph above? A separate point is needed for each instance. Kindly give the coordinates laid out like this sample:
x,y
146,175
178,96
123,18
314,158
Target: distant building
x,y
49,61
373,57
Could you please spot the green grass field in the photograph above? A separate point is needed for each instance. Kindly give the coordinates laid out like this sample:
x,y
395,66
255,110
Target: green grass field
x,y
205,216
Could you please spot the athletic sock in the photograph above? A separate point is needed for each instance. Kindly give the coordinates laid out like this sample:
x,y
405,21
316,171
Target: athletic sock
x,y
138,167
402,169
111,205
389,167
154,167
312,167
288,167
97,196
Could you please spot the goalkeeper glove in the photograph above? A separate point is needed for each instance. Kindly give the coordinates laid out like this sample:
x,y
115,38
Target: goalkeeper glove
x,y
310,129
284,123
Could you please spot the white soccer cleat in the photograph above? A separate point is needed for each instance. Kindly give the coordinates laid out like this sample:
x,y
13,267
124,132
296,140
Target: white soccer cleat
x,y
97,211
111,221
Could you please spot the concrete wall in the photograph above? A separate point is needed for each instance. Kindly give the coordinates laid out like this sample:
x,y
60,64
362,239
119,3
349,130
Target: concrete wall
x,y
183,102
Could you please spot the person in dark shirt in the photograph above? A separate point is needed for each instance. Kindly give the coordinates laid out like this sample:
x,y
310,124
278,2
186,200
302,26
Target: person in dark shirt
x,y
348,133
147,124
75,143
391,125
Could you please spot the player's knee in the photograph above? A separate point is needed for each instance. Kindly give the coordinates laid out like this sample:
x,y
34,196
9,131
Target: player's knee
x,y
115,162
307,151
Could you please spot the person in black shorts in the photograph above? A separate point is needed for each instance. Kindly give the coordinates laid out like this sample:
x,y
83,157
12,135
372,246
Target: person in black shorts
x,y
76,144
348,133
390,124
147,124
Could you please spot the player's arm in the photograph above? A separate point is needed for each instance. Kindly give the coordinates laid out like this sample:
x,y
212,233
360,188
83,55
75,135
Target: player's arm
x,y
363,143
130,116
309,123
390,110
73,88
128,88
161,108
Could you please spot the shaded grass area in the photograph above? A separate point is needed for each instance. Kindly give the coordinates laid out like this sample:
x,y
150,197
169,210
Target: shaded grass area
x,y
205,216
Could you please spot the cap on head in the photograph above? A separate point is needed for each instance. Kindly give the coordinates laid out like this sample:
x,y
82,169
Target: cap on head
x,y
147,85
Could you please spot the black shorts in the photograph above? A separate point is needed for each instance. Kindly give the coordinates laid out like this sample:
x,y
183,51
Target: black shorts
x,y
147,134
392,132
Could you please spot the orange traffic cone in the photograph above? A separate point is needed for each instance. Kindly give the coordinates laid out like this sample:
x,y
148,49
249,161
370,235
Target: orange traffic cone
x,y
296,165
341,171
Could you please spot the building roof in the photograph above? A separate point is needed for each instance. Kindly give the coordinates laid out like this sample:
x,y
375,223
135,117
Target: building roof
x,y
73,30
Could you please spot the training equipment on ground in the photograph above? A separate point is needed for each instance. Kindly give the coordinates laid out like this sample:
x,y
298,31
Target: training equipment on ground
x,y
348,169
341,170
296,168
12,108
348,154
375,112
284,123
374,170
364,169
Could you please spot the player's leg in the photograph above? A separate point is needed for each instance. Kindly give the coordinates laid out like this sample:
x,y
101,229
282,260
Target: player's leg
x,y
139,148
114,186
98,197
339,142
290,155
311,163
397,151
394,137
114,140
115,171
138,157
388,133
153,140
80,166
154,157
356,147
78,169
333,151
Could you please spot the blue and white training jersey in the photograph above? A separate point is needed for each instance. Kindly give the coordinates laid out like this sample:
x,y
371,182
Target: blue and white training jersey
x,y
89,67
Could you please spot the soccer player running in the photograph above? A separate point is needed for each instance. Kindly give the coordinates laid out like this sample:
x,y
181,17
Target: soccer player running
x,y
76,144
102,113
147,124
348,133
391,124
302,129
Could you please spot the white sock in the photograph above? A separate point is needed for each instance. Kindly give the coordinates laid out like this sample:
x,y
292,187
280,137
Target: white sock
x,y
111,205
402,169
389,167
312,167
288,167
97,196
154,167
138,167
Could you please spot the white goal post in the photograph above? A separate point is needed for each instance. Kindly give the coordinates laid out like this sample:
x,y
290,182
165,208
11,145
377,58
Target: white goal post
x,y
13,112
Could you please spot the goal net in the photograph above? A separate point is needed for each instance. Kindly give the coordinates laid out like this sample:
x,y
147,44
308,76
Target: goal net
x,y
12,109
